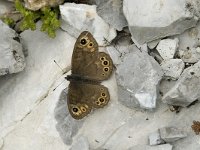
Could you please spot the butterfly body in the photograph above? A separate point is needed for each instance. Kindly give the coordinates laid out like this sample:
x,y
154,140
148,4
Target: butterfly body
x,y
89,68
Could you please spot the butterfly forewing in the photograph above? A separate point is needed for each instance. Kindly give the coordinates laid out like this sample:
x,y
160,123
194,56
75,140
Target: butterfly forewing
x,y
88,62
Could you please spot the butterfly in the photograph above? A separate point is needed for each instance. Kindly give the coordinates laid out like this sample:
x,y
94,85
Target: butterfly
x,y
89,68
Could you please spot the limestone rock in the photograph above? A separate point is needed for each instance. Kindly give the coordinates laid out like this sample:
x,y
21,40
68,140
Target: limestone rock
x,y
159,147
190,55
171,134
37,4
111,11
155,139
81,144
186,89
167,48
172,68
1,142
11,51
156,19
37,129
137,77
20,93
66,125
79,17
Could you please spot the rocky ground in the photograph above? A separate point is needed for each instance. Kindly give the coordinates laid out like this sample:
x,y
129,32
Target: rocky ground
x,y
155,46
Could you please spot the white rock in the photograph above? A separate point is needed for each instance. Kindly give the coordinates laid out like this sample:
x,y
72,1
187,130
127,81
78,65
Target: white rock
x,y
114,54
66,125
186,90
156,19
1,142
171,134
11,55
155,139
81,144
166,85
37,130
19,94
79,17
111,11
153,44
189,143
172,68
189,39
167,48
159,147
107,127
137,78
118,53
189,44
190,55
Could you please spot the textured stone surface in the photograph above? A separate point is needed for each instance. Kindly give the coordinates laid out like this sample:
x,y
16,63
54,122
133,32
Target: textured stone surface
x,y
20,93
167,48
160,147
172,68
37,130
28,103
155,139
1,142
35,4
137,77
77,18
81,144
66,125
157,19
190,55
186,90
171,134
11,52
111,11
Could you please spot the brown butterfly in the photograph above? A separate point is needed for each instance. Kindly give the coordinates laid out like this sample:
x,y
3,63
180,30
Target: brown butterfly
x,y
89,68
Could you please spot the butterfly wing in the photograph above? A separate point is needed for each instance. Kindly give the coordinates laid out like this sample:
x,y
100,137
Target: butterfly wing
x,y
82,97
88,62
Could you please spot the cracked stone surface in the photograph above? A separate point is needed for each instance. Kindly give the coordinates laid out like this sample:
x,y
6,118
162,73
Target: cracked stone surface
x,y
172,68
155,139
78,18
137,78
167,48
157,19
33,108
37,130
171,134
81,143
111,11
186,89
11,51
30,87
159,147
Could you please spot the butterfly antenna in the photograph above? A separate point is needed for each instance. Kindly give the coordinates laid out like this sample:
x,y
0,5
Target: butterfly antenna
x,y
58,85
59,66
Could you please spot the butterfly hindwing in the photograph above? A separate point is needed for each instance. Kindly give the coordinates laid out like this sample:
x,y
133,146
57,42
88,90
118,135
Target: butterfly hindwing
x,y
82,97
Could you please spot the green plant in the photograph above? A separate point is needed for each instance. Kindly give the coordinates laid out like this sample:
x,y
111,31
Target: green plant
x,y
8,21
50,21
49,17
